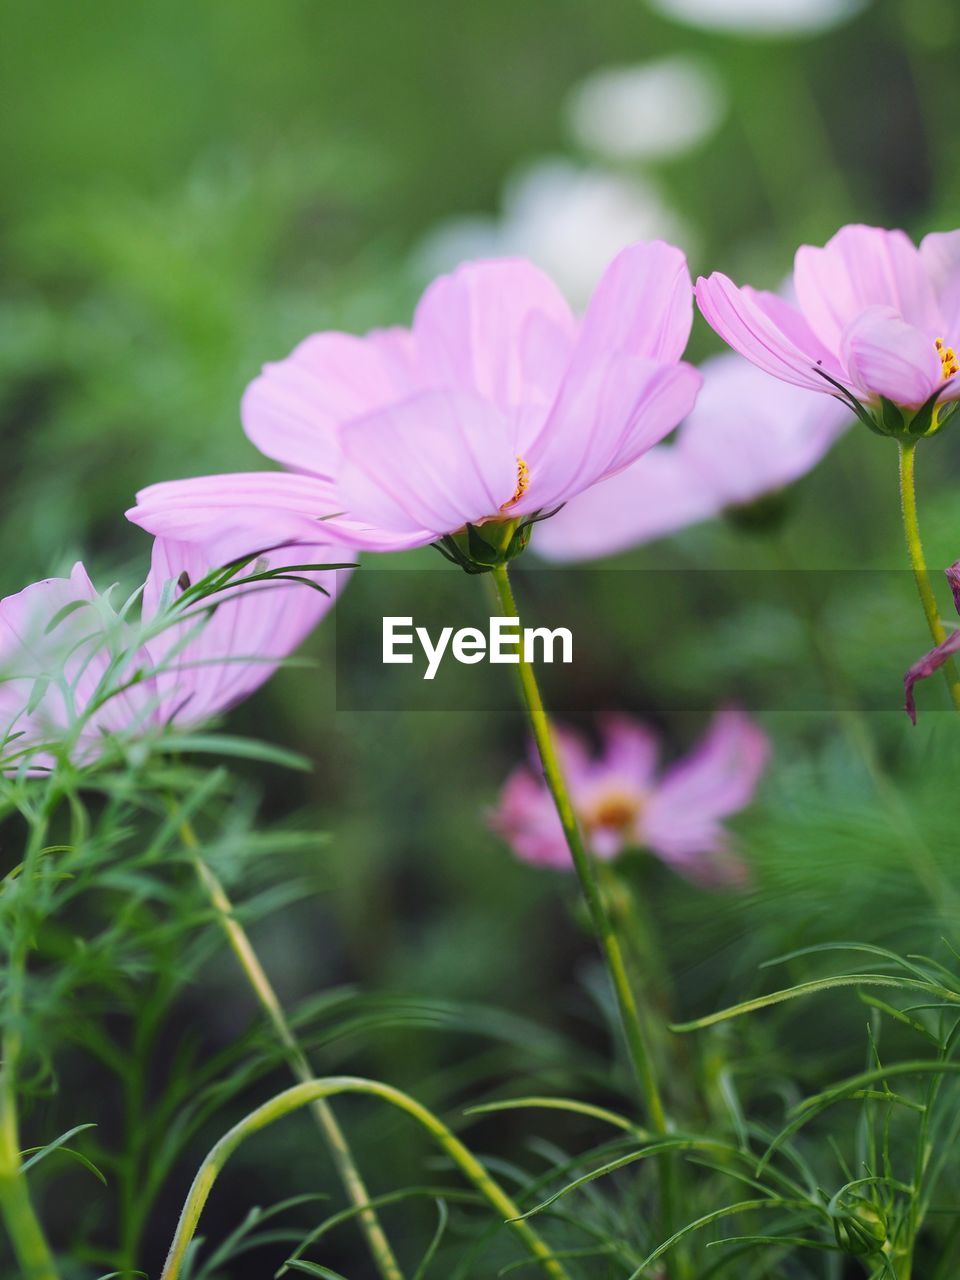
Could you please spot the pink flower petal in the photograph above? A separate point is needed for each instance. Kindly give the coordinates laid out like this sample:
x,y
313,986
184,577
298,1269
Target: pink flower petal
x,y
499,329
719,777
885,356
953,577
863,267
749,434
292,411
53,660
252,627
630,750
643,306
925,667
428,466
771,333
239,514
527,820
940,252
655,496
605,417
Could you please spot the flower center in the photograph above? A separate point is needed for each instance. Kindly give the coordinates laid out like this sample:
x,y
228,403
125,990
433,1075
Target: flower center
x,y
948,360
523,484
614,810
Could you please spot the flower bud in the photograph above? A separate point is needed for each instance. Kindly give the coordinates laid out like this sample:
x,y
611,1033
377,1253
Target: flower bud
x,y
860,1227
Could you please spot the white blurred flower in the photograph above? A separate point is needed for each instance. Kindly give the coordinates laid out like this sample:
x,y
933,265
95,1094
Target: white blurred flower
x,y
646,111
567,219
761,17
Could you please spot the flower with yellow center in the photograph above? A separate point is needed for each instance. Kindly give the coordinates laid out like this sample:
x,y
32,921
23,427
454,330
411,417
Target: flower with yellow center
x,y
948,360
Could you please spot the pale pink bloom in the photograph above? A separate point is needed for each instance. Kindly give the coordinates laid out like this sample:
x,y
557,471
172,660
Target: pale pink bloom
x,y
747,436
622,801
72,671
874,314
938,656
496,404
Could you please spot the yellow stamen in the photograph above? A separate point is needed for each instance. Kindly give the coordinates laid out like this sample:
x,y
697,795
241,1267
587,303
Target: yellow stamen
x,y
948,360
612,808
523,484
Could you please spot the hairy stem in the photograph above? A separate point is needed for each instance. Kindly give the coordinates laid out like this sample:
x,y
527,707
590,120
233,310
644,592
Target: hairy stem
x,y
262,988
23,1227
303,1095
911,529
606,936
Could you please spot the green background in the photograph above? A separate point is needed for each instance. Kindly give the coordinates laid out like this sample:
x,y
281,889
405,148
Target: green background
x,y
188,189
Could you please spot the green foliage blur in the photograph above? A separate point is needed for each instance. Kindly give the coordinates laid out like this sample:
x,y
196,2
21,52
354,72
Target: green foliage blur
x,y
189,189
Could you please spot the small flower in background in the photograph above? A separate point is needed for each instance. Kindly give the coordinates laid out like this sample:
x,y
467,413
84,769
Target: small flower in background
x,y
747,436
647,111
937,657
622,801
877,320
495,406
568,219
761,17
73,670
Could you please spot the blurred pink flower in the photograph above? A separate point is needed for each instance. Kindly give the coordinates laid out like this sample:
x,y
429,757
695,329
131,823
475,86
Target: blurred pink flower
x,y
937,657
875,315
73,671
496,404
747,436
622,802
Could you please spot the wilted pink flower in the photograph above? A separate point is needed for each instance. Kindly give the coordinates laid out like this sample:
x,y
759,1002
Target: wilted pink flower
x,y
937,657
747,436
875,317
623,802
496,404
73,671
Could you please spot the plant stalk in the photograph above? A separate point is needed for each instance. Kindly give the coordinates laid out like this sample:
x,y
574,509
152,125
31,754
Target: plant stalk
x,y
262,988
632,1026
911,529
318,1090
23,1226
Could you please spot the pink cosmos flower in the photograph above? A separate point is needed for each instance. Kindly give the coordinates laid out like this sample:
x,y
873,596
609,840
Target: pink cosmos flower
x,y
497,404
623,802
937,657
748,436
876,317
73,671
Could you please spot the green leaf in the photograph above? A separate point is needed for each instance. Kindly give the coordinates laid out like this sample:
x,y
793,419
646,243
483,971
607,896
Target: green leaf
x,y
891,415
654,1148
811,988
240,748
853,1087
376,1202
64,613
743,1206
444,1216
558,1255
37,1154
562,1104
480,549
922,419
315,1269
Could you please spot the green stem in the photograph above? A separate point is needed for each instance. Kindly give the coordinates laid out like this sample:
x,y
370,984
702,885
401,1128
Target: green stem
x,y
23,1227
262,988
911,529
631,1023
602,926
306,1095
